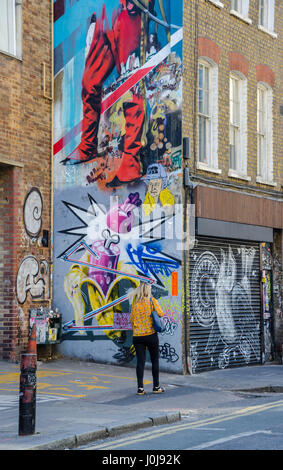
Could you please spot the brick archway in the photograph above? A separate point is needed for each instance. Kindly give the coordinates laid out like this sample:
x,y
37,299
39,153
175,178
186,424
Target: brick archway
x,y
209,49
265,74
239,63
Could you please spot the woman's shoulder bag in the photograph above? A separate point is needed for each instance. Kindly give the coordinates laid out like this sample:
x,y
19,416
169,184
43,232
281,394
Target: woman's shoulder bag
x,y
158,323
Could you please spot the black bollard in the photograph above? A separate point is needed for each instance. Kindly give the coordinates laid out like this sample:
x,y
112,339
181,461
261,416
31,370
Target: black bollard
x,y
27,399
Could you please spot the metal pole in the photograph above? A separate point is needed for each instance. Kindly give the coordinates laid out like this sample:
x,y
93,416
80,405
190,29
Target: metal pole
x,y
27,398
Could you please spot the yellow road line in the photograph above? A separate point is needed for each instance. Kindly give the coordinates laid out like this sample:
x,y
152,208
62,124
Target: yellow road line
x,y
9,390
201,423
62,394
9,378
87,386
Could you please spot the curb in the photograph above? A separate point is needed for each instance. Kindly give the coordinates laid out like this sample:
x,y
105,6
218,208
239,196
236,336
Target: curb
x,y
82,439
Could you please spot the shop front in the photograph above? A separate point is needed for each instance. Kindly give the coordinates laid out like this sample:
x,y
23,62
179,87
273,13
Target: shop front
x,y
230,282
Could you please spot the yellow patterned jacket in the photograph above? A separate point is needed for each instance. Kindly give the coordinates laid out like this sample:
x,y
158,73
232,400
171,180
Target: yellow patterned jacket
x,y
141,319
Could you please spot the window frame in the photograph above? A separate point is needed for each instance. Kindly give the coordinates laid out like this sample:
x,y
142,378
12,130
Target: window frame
x,y
208,115
14,29
235,6
266,17
261,130
238,126
240,9
204,113
265,135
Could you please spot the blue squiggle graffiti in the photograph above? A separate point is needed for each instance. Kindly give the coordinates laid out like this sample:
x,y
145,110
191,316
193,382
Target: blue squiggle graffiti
x,y
151,261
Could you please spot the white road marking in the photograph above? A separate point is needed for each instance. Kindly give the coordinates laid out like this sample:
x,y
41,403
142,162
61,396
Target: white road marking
x,y
147,436
227,439
11,401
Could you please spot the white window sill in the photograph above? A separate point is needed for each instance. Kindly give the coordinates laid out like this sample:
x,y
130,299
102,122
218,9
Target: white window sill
x,y
239,176
240,16
204,167
260,180
216,3
264,30
11,55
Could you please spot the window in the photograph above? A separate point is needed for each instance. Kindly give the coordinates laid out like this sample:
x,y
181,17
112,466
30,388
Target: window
x,y
264,134
234,122
238,126
208,115
266,14
241,7
204,113
10,27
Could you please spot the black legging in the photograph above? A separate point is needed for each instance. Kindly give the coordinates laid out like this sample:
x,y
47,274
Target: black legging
x,y
141,343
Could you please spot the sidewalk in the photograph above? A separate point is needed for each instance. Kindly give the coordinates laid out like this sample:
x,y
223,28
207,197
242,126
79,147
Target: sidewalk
x,y
77,402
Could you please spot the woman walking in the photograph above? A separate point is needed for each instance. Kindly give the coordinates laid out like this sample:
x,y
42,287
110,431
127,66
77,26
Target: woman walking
x,y
144,335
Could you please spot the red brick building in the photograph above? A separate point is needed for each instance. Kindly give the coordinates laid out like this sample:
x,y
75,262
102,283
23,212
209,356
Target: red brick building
x,y
232,56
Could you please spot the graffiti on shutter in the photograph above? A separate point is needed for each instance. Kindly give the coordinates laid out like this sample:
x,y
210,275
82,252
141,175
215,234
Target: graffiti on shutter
x,y
225,319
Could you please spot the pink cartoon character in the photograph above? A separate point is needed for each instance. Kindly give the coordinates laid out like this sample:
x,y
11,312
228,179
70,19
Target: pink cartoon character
x,y
120,218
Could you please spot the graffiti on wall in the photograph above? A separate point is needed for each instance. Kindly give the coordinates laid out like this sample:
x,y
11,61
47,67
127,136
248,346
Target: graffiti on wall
x,y
267,301
32,278
131,105
33,273
99,282
32,212
127,109
222,307
117,168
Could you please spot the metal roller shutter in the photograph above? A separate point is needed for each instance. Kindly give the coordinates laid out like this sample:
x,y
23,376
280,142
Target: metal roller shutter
x,y
225,305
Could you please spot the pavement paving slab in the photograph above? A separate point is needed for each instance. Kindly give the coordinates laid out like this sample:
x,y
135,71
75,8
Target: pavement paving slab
x,y
78,402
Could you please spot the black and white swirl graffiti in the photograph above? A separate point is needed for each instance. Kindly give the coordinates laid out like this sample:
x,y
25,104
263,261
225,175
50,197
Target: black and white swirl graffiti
x,y
32,212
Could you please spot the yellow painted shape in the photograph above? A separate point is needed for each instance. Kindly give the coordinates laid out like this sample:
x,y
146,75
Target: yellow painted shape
x,y
124,378
65,395
46,373
11,378
108,375
9,390
42,386
85,385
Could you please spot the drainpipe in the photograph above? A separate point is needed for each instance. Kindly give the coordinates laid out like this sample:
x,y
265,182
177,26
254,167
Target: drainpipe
x,y
189,192
188,199
50,98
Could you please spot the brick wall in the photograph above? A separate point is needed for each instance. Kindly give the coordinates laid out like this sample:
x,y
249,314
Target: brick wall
x,y
234,45
25,149
8,323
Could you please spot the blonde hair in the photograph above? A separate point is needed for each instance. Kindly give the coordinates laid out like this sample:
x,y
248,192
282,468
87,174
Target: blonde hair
x,y
142,291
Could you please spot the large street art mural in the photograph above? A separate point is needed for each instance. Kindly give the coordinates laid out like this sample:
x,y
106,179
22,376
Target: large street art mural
x,y
117,172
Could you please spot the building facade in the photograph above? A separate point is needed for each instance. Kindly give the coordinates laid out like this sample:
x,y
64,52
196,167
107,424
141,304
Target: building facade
x,y
25,167
155,156
234,180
